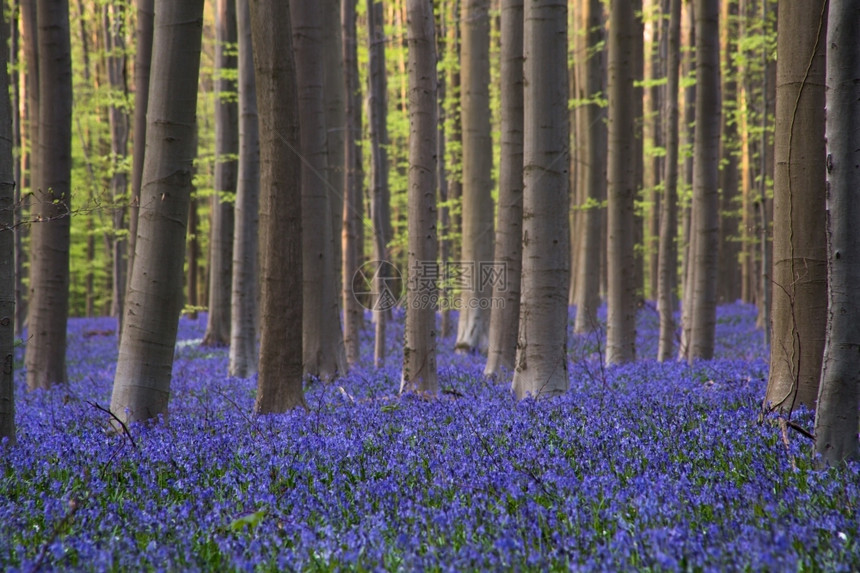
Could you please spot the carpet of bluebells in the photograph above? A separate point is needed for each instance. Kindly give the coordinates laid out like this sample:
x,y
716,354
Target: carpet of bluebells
x,y
648,466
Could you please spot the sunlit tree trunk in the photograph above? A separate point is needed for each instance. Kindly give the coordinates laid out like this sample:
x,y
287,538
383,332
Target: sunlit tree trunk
x,y
324,355
154,298
474,321
504,317
279,382
419,348
836,417
7,249
541,367
587,272
799,236
222,218
729,278
244,319
45,356
335,119
688,65
621,177
667,279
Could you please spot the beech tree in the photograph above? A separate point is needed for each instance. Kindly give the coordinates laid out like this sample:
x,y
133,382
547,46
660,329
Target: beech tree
x,y
504,318
244,317
7,248
541,368
279,382
836,415
48,300
799,296
154,298
419,347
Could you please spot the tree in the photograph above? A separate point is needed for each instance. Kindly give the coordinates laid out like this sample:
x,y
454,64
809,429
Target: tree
x,y
541,369
799,300
226,163
621,178
419,347
154,297
7,249
335,119
504,318
587,273
324,355
667,279
836,417
279,383
245,287
477,249
48,307
706,199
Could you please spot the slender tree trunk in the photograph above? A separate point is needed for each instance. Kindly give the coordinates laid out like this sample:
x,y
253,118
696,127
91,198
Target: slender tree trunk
x,y
7,249
222,219
667,280
20,111
656,175
419,348
45,357
474,321
764,207
193,254
799,233
836,417
504,318
621,176
324,354
689,66
541,368
244,319
594,217
154,298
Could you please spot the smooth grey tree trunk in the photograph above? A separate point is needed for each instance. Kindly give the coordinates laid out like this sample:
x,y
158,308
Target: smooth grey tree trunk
x,y
836,417
48,306
667,277
324,354
222,216
419,347
154,299
688,64
279,383
541,367
706,198
335,119
7,249
244,320
352,196
799,305
477,201
621,188
505,317
594,216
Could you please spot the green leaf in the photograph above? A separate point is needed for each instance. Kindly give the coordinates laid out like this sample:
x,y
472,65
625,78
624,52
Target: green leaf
x,y
249,520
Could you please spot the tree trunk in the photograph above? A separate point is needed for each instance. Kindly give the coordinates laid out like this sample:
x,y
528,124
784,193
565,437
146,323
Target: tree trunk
x,y
154,298
504,317
836,416
324,354
473,325
7,250
706,199
799,235
667,279
222,219
419,347
621,177
244,319
352,197
45,357
279,383
541,368
689,67
594,217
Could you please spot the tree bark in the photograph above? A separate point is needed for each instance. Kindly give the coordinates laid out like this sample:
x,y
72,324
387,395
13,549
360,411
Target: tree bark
x,y
799,304
154,299
244,319
45,356
7,249
836,417
504,317
279,383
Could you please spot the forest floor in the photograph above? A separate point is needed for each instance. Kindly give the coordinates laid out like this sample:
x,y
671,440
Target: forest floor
x,y
648,466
